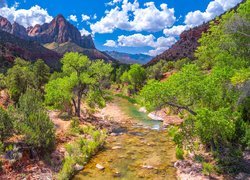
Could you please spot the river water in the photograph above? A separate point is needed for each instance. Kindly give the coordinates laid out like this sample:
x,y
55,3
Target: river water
x,y
142,151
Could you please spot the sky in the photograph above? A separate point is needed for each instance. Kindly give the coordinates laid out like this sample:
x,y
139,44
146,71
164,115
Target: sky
x,y
132,26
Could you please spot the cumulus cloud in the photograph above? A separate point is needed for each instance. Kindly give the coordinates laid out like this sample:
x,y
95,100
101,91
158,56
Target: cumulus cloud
x,y
139,40
214,8
175,30
85,17
131,17
26,17
136,40
110,43
73,18
84,32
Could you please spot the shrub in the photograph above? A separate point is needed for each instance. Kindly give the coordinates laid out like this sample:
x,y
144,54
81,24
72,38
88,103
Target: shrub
x,y
179,153
208,168
33,121
67,169
80,151
6,125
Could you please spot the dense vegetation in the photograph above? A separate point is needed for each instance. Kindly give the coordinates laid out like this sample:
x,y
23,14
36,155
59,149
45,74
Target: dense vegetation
x,y
211,91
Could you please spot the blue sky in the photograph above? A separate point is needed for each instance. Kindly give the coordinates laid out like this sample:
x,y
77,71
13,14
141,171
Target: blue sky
x,y
134,26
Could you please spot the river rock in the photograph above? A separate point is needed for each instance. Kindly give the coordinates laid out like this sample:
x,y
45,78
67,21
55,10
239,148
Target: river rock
x,y
116,147
100,167
78,167
153,116
143,109
147,167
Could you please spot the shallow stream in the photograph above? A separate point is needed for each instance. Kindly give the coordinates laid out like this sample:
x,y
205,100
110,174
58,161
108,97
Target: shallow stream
x,y
142,151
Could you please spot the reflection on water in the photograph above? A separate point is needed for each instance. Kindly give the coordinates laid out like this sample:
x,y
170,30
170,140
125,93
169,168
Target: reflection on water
x,y
139,153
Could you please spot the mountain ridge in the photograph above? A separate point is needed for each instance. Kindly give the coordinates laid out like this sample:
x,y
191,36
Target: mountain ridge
x,y
59,31
128,58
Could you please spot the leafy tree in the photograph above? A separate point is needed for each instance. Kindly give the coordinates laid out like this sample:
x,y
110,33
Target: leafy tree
x,y
41,73
19,78
24,75
135,77
83,79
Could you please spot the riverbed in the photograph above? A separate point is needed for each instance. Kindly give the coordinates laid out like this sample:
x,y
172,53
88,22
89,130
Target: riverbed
x,y
141,149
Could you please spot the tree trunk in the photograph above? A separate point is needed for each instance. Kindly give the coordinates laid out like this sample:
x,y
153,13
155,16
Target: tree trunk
x,y
79,97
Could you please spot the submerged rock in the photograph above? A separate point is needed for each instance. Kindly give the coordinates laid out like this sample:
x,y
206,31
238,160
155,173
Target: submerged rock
x,y
153,116
143,109
100,167
116,147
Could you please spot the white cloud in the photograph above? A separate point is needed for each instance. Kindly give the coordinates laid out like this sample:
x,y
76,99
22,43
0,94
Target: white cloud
x,y
139,40
110,43
84,32
26,17
131,17
214,8
112,3
95,16
175,30
136,40
73,18
85,17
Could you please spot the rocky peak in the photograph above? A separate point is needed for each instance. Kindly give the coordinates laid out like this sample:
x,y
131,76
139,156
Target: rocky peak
x,y
87,42
5,25
59,30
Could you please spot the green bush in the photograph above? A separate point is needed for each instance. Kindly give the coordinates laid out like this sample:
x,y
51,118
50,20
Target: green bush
x,y
207,169
67,169
33,121
81,150
179,153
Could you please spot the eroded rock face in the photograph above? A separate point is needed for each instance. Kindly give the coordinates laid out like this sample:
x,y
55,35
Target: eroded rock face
x,y
59,30
5,25
185,47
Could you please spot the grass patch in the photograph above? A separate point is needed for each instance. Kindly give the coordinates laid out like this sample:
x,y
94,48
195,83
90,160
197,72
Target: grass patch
x,y
82,149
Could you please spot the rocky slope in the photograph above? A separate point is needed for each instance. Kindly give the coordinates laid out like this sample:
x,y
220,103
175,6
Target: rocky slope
x,y
12,47
129,58
184,47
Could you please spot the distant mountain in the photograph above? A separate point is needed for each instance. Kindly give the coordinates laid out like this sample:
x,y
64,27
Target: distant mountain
x,y
12,47
129,58
184,47
72,47
58,35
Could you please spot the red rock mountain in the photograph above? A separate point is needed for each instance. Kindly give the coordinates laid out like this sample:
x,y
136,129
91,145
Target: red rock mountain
x,y
58,35
12,46
184,47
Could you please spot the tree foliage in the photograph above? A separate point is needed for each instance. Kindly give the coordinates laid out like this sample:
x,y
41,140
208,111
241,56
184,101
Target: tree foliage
x,y
208,88
81,79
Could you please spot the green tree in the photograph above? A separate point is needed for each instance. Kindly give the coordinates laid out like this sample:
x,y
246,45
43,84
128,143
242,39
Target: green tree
x,y
32,120
83,79
41,73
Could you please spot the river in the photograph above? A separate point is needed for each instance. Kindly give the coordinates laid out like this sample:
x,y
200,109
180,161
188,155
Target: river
x,y
142,150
